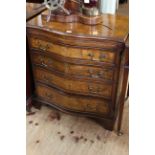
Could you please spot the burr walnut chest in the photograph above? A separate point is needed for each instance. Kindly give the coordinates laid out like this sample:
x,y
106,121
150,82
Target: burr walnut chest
x,y
81,69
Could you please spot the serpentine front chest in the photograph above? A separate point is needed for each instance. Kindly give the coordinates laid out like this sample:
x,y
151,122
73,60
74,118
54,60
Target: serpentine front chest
x,y
80,69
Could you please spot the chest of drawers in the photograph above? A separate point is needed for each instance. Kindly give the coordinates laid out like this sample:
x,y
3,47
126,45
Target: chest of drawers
x,y
79,69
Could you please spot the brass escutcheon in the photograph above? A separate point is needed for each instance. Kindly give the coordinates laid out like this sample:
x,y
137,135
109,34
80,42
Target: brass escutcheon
x,y
91,55
102,57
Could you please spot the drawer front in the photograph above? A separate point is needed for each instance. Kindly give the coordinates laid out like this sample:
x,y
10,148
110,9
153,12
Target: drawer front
x,y
85,54
81,104
74,70
73,85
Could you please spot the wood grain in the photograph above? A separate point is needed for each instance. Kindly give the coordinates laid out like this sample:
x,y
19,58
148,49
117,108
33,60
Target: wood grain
x,y
92,105
90,54
66,68
73,85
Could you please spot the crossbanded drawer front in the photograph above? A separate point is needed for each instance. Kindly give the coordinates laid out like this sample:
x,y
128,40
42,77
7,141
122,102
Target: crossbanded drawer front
x,y
73,69
71,102
70,52
73,85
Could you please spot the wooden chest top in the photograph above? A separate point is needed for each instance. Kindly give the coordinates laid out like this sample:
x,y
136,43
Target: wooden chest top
x,y
113,27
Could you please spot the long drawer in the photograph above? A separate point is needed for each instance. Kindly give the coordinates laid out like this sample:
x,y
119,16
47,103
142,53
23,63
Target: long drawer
x,y
81,71
73,85
70,52
75,103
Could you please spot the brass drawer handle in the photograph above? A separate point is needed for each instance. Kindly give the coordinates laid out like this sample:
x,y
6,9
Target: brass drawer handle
x,y
101,74
94,90
102,57
44,48
43,60
43,64
91,89
91,55
89,107
50,96
95,75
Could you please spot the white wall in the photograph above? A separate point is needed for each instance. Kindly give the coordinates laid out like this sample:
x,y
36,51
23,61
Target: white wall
x,y
108,6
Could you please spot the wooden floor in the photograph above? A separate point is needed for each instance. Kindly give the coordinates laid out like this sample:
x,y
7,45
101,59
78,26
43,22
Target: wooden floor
x,y
72,135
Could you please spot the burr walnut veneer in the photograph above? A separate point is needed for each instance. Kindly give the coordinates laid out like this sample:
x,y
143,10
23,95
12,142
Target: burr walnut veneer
x,y
80,69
